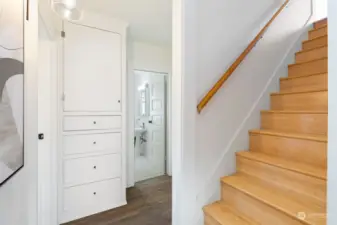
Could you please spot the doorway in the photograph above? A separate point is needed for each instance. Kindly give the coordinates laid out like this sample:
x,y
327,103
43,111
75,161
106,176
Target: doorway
x,y
150,124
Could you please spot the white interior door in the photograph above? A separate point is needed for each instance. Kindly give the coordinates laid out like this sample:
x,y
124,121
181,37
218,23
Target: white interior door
x,y
92,69
156,126
151,163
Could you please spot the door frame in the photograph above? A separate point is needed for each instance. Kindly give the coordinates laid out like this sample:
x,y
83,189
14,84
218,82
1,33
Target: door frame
x,y
131,118
176,112
30,170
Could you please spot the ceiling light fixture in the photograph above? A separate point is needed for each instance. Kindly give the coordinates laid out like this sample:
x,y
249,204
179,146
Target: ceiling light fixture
x,y
67,9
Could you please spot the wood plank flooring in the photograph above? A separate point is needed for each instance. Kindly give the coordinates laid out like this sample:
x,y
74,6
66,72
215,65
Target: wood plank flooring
x,y
149,203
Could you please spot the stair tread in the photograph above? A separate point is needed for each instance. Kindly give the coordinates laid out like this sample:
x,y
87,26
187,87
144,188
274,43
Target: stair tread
x,y
288,202
297,92
293,112
302,76
303,168
223,214
307,62
313,137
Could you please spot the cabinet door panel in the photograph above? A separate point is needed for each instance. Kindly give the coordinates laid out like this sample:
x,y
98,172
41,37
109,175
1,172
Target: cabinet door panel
x,y
91,169
92,69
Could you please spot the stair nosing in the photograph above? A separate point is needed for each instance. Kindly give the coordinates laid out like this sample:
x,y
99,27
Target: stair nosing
x,y
297,92
308,50
293,112
310,61
235,212
302,76
318,138
293,169
314,39
259,198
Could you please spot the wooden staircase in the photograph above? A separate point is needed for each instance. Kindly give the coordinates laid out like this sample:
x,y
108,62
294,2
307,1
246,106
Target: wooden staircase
x,y
282,179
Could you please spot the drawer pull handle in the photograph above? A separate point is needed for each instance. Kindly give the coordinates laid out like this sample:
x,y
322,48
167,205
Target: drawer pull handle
x,y
94,122
94,142
95,167
94,193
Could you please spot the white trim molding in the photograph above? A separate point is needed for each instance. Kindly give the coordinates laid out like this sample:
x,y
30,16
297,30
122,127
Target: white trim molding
x,y
50,19
30,110
176,111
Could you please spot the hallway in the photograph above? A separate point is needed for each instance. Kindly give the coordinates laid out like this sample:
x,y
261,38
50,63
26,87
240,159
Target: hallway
x,y
149,203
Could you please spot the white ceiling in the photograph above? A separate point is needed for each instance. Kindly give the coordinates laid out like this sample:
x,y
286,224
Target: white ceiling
x,y
150,20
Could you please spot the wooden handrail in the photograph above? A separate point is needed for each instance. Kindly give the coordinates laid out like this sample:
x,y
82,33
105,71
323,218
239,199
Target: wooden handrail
x,y
237,62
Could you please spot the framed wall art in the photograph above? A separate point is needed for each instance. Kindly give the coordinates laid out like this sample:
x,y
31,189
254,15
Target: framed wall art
x,y
11,88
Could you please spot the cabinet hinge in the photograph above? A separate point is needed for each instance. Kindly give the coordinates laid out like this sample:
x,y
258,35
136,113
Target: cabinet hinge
x,y
63,97
63,34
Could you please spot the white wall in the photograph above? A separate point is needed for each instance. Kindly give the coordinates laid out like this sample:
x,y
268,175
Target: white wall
x,y
215,33
332,126
147,57
47,78
18,204
320,9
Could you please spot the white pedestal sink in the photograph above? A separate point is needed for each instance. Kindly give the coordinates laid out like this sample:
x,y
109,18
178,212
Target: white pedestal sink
x,y
139,131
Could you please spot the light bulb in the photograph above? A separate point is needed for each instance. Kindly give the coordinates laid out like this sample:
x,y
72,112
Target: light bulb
x,y
67,9
70,4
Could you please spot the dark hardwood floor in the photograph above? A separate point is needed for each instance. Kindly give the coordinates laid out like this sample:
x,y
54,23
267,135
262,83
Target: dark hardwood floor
x,y
149,203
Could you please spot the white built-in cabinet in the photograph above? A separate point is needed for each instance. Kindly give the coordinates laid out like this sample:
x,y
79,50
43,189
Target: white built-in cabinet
x,y
92,117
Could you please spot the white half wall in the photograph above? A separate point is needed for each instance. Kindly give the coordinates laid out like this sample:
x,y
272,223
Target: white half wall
x,y
146,57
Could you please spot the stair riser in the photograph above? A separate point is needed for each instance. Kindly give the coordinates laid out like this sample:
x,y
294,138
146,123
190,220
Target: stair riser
x,y
318,32
316,43
255,209
309,101
285,179
308,68
295,123
210,221
308,83
299,150
320,23
317,53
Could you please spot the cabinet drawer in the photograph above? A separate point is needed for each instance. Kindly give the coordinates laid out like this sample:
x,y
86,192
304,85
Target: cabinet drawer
x,y
91,143
91,169
76,123
92,198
